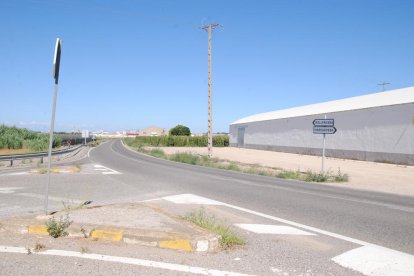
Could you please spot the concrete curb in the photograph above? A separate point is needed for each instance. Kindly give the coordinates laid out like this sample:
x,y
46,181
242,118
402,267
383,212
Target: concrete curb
x,y
206,243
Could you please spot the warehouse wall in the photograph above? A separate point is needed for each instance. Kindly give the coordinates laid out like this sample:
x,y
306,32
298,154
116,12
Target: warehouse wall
x,y
382,134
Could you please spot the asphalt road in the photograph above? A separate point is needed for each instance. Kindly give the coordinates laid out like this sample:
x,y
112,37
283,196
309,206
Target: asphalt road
x,y
382,219
351,225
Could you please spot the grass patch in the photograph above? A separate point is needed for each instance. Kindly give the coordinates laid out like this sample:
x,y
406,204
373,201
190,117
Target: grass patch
x,y
70,207
59,228
157,153
227,238
316,177
187,158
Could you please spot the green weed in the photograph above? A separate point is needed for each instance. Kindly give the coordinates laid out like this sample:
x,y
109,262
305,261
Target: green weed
x,y
58,228
227,238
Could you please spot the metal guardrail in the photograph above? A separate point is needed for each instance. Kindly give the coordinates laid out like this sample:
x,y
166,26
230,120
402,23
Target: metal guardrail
x,y
12,157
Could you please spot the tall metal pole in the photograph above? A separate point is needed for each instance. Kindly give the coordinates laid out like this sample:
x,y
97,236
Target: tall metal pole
x,y
49,155
56,63
323,153
209,28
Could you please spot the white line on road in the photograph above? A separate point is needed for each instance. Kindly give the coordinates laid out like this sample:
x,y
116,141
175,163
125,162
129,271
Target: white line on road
x,y
272,229
52,198
377,260
14,174
191,199
9,190
124,260
105,170
370,261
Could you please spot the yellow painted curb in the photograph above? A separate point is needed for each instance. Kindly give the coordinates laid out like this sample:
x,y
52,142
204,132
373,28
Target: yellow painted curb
x,y
107,235
176,244
38,229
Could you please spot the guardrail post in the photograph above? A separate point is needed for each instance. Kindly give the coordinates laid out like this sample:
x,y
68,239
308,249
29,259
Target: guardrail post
x,y
11,162
41,160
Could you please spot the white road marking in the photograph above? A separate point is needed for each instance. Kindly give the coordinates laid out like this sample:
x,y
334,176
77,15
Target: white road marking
x,y
272,229
393,268
191,199
9,190
52,198
14,174
105,170
377,260
124,260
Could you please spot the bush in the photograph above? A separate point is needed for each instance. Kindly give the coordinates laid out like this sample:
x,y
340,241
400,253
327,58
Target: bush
x,y
58,228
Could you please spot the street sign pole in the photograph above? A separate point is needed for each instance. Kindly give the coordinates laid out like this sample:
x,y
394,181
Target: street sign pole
x,y
323,152
56,65
324,126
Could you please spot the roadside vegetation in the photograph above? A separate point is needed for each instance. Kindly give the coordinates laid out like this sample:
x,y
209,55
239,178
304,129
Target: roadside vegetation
x,y
227,238
58,228
203,160
177,141
13,138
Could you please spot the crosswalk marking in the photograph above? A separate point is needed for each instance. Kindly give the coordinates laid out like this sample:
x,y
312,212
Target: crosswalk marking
x,y
369,259
105,170
377,260
272,229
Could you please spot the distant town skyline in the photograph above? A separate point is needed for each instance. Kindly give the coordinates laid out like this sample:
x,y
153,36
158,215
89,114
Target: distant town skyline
x,y
128,65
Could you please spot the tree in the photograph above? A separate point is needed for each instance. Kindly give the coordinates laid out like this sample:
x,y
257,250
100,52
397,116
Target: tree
x,y
180,130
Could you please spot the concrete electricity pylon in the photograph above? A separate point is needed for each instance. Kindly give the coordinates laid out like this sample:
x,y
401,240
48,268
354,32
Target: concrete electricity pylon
x,y
209,28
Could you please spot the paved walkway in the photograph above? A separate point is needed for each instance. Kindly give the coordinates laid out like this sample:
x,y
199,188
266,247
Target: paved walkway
x,y
388,178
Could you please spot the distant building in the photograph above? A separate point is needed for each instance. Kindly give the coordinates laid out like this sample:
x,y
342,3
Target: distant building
x,y
132,133
374,127
152,131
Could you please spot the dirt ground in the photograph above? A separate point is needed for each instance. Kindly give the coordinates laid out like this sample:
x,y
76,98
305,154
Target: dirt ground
x,y
388,178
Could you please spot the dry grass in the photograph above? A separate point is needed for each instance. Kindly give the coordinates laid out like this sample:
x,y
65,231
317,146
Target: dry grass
x,y
14,151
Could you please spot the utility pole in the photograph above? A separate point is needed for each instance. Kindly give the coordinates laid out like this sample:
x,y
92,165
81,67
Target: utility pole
x,y
209,28
383,84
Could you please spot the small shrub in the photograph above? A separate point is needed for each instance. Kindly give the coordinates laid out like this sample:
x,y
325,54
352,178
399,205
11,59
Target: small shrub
x,y
157,153
227,238
341,177
233,167
316,177
185,158
58,228
289,174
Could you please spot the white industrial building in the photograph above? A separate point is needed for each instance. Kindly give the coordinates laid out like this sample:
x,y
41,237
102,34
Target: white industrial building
x,y
375,127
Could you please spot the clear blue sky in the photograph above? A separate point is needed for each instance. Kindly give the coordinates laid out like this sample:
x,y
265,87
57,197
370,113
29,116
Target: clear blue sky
x,y
131,64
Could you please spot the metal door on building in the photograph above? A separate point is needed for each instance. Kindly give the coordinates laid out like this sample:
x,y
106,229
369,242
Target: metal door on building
x,y
240,137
